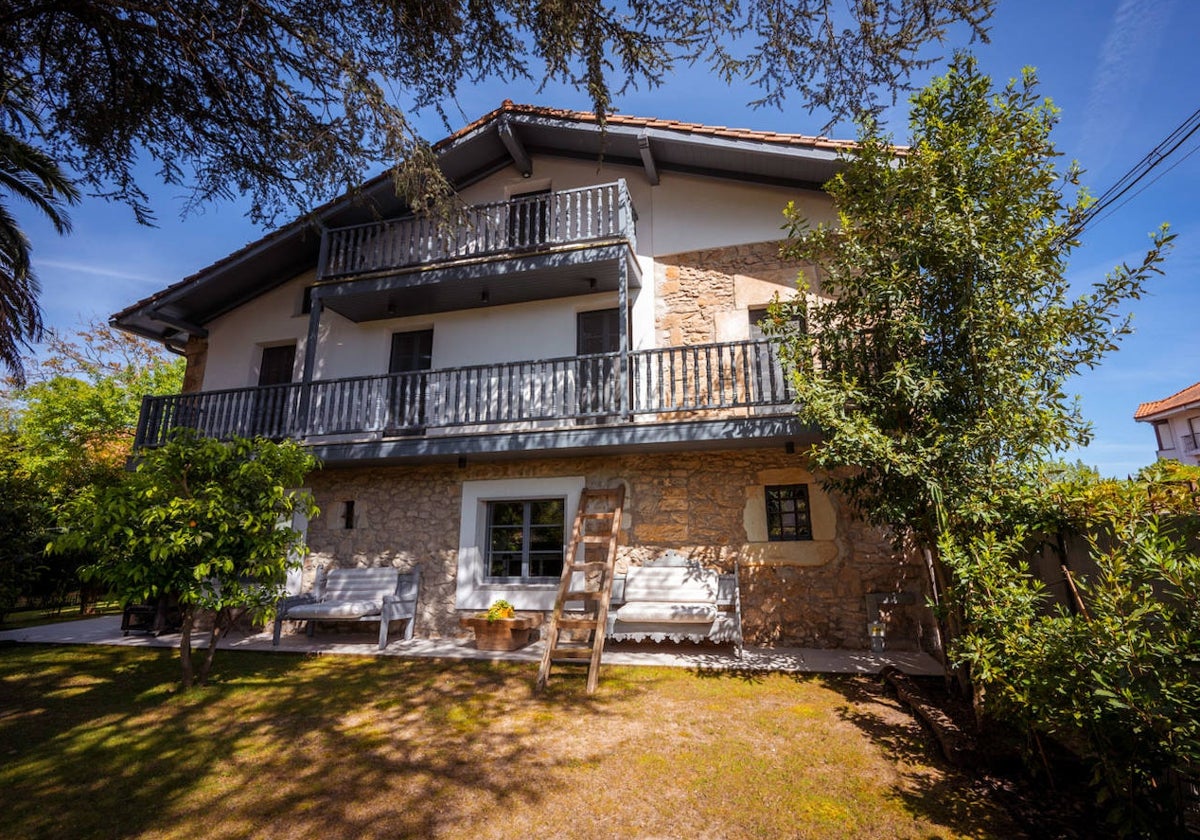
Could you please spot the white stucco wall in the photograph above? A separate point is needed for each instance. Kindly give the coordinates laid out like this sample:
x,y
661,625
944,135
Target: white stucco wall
x,y
682,213
1178,426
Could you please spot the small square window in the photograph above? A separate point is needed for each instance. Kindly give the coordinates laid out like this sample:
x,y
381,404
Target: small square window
x,y
788,516
760,321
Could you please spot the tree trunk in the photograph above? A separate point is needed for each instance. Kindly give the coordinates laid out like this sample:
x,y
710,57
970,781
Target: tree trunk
x,y
221,622
950,625
187,616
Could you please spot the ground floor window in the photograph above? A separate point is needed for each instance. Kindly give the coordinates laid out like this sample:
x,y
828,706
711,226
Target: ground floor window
x,y
788,516
525,539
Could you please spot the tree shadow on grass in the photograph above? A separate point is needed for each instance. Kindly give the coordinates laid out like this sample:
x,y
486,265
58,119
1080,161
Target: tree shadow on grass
x,y
925,784
101,744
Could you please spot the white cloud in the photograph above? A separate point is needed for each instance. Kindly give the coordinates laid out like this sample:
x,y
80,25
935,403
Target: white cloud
x,y
1124,64
96,270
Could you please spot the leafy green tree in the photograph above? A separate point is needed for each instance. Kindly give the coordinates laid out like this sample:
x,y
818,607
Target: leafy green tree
x,y
202,521
76,417
292,102
26,517
940,335
940,328
70,427
1116,677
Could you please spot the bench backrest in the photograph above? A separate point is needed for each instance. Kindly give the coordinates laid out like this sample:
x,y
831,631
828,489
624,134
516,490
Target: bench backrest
x,y
357,584
672,584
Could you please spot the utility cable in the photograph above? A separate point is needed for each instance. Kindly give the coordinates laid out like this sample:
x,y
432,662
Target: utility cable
x,y
1154,158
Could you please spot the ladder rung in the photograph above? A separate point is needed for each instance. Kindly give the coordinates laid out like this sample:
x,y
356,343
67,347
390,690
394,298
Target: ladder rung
x,y
596,539
578,623
589,566
571,653
582,596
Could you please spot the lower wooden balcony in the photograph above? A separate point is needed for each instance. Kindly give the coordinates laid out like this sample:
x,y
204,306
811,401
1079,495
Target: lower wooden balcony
x,y
731,390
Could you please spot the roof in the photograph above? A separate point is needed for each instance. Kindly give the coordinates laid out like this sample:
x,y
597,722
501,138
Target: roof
x,y
504,137
1186,398
509,107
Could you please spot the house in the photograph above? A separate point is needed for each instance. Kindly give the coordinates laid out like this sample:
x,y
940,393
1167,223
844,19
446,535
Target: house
x,y
592,322
1176,422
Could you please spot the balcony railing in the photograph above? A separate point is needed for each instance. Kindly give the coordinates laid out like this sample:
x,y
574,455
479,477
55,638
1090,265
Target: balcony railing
x,y
560,218
674,383
1190,442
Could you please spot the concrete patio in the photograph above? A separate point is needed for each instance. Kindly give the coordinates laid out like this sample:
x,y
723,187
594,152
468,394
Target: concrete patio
x,y
106,630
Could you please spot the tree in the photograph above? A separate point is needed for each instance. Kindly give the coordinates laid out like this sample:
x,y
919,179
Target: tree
x,y
941,330
76,417
69,428
200,520
292,102
1115,672
27,173
25,520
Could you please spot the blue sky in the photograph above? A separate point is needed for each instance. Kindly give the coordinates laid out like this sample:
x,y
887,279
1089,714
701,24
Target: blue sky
x,y
1122,71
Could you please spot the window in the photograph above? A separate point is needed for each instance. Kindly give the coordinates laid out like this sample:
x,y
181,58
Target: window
x,y
475,587
277,364
525,539
273,410
412,353
788,515
760,317
1162,431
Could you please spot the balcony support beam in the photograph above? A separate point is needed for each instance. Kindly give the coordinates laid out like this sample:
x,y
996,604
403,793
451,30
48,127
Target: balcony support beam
x,y
623,406
310,360
648,159
516,149
179,323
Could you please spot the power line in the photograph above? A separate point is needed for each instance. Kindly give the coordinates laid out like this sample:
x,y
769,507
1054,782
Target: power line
x,y
1152,182
1154,158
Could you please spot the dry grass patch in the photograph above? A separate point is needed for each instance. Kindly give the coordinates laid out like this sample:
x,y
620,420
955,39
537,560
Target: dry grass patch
x,y
97,743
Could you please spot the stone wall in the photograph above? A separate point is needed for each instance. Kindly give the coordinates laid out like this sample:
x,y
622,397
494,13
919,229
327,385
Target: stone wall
x,y
196,353
705,504
704,296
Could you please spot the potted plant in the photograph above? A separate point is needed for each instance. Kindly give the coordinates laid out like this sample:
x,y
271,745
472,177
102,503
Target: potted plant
x,y
501,628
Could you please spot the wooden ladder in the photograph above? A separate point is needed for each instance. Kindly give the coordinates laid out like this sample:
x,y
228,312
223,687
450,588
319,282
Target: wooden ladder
x,y
594,616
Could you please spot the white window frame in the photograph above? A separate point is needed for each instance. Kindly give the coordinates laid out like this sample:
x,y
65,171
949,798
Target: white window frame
x,y
1165,436
474,590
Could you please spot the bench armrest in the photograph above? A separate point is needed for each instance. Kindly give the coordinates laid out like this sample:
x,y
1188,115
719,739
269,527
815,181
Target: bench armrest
x,y
397,606
394,609
286,603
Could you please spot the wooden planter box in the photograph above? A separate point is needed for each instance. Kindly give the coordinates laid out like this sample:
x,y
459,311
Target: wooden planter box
x,y
503,633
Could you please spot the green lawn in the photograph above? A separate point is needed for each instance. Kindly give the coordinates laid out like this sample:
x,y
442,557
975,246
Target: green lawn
x,y
97,743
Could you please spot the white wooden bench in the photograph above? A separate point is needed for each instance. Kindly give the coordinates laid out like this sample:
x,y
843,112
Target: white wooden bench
x,y
675,598
382,595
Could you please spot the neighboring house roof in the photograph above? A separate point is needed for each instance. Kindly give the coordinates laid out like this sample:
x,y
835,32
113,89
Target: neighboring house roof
x,y
1189,397
505,137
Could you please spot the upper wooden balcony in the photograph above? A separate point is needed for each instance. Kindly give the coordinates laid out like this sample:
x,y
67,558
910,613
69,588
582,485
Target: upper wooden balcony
x,y
543,221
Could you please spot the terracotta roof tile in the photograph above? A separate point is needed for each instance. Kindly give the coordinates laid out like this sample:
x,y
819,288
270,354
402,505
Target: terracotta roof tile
x,y
1190,394
510,107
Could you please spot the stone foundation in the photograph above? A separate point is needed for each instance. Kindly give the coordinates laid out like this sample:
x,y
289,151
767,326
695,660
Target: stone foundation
x,y
707,505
